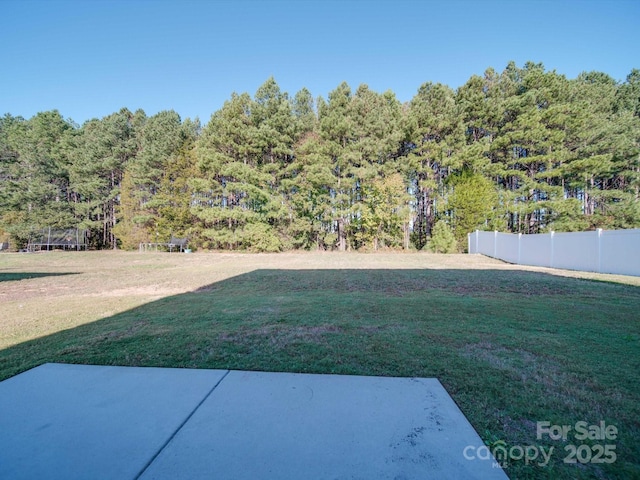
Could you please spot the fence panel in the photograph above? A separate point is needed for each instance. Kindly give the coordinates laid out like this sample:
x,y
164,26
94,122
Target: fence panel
x,y
612,251
486,243
620,252
535,250
509,247
576,251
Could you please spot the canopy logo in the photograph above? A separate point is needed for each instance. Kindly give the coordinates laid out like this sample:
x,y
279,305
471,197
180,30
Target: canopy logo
x,y
594,451
501,454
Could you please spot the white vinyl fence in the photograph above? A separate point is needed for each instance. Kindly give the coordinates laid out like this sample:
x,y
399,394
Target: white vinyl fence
x,y
604,251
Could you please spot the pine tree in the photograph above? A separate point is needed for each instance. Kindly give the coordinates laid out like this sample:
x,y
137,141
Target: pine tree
x,y
471,203
433,133
34,174
158,140
524,150
174,197
237,161
442,239
104,148
530,148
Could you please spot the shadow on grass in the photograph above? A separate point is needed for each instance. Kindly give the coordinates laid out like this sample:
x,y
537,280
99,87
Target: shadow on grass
x,y
511,347
17,276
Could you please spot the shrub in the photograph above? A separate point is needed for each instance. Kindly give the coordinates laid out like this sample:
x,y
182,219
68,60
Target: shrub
x,y
442,239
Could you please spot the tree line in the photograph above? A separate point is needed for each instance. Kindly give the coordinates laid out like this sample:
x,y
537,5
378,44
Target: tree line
x,y
524,150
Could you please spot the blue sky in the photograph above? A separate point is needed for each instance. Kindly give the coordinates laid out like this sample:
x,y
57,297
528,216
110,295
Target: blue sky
x,y
90,58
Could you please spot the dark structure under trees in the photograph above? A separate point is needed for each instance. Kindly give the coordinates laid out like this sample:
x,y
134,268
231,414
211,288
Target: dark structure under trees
x,y
49,239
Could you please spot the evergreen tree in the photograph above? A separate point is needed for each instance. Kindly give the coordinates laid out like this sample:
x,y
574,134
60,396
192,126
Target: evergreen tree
x,y
592,176
530,145
471,203
337,135
34,173
305,118
376,149
173,199
524,150
104,148
442,239
158,140
238,161
433,133
384,213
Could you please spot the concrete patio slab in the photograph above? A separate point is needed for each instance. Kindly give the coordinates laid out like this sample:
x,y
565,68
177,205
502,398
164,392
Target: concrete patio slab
x,y
91,422
294,426
75,421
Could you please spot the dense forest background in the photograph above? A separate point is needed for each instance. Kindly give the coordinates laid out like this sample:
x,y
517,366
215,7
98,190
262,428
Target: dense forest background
x,y
525,150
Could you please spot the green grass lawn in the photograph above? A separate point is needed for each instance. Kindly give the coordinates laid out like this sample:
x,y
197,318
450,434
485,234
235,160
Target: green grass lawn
x,y
512,345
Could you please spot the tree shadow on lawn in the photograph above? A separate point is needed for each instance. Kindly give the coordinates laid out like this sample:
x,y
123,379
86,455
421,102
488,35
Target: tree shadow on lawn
x,y
17,276
511,347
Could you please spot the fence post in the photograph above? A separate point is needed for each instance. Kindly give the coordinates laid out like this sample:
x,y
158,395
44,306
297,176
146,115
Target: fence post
x,y
519,247
599,250
551,259
495,244
477,240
